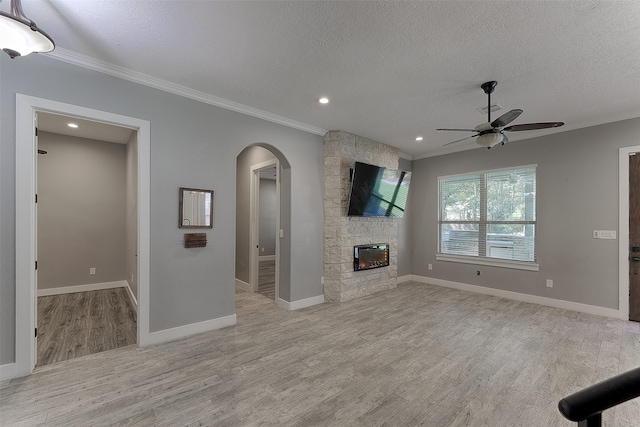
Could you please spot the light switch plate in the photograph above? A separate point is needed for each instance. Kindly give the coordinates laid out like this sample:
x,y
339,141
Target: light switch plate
x,y
605,234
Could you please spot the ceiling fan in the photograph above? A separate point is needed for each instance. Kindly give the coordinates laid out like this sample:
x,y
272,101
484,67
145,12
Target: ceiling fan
x,y
492,132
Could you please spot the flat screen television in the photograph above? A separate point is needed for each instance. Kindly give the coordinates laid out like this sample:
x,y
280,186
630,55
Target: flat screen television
x,y
378,191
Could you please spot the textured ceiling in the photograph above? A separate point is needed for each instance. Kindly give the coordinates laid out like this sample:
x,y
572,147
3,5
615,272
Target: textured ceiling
x,y
393,70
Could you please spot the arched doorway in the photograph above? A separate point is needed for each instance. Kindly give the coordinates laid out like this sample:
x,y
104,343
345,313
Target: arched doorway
x,y
251,164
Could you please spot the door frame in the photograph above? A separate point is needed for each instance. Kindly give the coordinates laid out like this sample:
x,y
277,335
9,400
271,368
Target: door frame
x,y
623,227
27,108
254,219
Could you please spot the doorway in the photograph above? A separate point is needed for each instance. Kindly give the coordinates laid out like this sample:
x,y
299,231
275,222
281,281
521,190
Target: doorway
x,y
627,220
634,237
27,109
86,237
249,163
265,221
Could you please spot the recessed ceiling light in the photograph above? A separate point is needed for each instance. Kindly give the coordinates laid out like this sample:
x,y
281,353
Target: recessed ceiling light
x,y
72,125
323,100
419,138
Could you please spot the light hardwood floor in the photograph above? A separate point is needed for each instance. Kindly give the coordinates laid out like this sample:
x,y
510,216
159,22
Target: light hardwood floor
x,y
81,323
417,355
267,278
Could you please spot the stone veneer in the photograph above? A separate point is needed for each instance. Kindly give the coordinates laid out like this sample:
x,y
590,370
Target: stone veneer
x,y
341,233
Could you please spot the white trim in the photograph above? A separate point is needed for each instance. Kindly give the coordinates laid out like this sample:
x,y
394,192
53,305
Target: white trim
x,y
534,299
493,262
278,225
185,331
403,279
132,297
534,165
27,108
302,303
243,285
176,89
82,288
623,227
25,241
266,258
9,371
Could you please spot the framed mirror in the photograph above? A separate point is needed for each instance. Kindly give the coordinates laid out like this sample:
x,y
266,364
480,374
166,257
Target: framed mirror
x,y
196,208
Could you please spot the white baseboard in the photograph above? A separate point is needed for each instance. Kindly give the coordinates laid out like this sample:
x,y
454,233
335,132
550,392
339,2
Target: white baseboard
x,y
302,303
132,297
549,302
9,371
82,288
189,330
402,279
243,285
266,258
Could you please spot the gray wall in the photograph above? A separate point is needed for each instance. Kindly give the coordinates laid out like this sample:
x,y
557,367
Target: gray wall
x,y
267,217
249,157
192,145
131,216
404,229
577,192
81,211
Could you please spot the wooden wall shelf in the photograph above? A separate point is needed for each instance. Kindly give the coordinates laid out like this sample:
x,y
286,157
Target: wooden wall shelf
x,y
195,240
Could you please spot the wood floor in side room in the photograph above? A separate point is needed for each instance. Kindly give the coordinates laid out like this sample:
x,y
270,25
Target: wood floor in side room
x,y
267,278
82,323
416,355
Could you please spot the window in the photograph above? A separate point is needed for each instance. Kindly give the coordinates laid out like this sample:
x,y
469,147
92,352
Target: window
x,y
489,217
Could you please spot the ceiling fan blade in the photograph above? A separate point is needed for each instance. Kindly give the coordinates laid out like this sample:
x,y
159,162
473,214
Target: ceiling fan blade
x,y
460,140
461,130
533,126
506,118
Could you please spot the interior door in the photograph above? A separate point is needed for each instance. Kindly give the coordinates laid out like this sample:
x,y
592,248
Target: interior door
x,y
634,237
35,242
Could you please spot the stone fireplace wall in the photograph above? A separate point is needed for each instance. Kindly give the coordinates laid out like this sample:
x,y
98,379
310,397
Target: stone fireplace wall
x,y
342,233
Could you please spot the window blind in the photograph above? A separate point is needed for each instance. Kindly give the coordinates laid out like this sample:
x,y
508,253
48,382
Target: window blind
x,y
489,214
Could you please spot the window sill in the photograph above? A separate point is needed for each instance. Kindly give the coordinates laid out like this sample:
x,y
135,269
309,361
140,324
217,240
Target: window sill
x,y
493,262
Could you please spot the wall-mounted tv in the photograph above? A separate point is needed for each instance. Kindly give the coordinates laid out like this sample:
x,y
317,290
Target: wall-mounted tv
x,y
378,191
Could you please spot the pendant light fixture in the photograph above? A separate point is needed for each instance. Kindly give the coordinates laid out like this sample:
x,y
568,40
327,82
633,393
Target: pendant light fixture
x,y
20,36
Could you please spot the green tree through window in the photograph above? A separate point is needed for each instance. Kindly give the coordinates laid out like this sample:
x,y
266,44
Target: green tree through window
x,y
489,214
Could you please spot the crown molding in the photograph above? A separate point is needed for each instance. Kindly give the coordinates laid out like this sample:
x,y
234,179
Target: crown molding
x,y
90,63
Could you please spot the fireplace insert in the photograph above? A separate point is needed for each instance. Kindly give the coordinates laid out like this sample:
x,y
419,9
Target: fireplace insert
x,y
370,256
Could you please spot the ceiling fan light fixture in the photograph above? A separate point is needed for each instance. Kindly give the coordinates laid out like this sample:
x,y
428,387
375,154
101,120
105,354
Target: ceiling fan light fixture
x,y
20,36
488,140
492,132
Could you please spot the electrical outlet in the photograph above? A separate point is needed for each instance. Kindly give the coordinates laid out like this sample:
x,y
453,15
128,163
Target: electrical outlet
x,y
131,278
92,271
322,280
549,283
430,266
